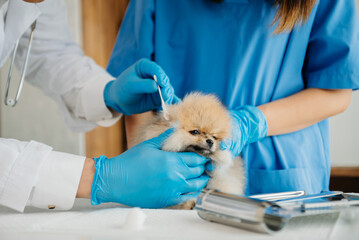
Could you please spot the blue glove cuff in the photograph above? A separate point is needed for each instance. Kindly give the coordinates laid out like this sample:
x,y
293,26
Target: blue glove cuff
x,y
252,122
97,180
248,125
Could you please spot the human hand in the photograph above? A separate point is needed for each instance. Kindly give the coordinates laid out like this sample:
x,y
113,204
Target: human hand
x,y
135,91
145,176
248,125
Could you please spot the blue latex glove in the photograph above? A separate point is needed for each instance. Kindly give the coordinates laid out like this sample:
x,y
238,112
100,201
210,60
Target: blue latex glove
x,y
248,125
145,176
135,91
210,167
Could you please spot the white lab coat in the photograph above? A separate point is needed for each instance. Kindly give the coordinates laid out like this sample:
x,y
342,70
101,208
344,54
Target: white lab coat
x,y
30,172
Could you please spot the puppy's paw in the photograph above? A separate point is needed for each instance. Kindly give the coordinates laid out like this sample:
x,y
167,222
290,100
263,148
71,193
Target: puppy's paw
x,y
189,205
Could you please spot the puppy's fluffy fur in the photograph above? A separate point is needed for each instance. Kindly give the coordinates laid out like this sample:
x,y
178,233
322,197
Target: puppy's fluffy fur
x,y
201,122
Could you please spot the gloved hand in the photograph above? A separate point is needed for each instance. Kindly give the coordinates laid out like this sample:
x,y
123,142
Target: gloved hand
x,y
248,125
135,91
145,176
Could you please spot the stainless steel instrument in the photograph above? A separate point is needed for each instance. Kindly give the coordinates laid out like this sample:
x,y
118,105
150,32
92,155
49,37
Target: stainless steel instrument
x,y
263,214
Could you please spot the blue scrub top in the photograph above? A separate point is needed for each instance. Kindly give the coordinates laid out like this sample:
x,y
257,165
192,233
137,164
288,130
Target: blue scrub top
x,y
229,49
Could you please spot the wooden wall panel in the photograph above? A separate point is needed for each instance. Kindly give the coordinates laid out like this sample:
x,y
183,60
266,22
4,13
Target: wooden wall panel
x,y
345,172
344,179
101,20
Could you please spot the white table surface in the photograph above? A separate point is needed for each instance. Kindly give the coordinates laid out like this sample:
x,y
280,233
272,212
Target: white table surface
x,y
106,222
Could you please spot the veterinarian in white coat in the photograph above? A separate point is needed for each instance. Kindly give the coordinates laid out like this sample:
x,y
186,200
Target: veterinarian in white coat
x,y
31,173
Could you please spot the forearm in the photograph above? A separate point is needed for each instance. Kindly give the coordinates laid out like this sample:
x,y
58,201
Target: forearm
x,y
132,123
88,172
58,66
303,109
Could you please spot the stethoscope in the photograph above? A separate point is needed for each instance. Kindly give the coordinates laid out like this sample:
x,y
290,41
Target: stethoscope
x,y
12,101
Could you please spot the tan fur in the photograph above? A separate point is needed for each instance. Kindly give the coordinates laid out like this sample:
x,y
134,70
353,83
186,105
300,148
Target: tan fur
x,y
206,114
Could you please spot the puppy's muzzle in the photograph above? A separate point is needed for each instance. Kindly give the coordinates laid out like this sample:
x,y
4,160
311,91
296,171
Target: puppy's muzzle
x,y
205,151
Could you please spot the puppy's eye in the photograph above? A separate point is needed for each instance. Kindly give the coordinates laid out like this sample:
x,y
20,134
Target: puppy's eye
x,y
214,137
194,132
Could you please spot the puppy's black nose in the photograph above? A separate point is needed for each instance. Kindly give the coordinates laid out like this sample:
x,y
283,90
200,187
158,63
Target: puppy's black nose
x,y
209,142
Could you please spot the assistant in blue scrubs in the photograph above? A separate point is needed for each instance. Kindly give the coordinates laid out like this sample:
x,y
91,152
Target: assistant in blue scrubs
x,y
230,49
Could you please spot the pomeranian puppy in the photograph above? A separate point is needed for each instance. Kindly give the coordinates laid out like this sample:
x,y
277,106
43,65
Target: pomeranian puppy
x,y
201,122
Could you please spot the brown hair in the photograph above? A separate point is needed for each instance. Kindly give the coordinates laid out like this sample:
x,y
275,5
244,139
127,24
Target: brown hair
x,y
291,13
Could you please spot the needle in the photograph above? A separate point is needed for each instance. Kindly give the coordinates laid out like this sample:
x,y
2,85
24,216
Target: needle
x,y
163,104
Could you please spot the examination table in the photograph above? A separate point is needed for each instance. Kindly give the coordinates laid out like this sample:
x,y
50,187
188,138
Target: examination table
x,y
106,222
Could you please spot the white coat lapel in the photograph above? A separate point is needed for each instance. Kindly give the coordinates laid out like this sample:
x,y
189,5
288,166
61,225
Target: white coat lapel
x,y
20,15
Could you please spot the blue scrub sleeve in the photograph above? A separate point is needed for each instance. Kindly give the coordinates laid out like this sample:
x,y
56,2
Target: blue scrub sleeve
x,y
135,38
332,59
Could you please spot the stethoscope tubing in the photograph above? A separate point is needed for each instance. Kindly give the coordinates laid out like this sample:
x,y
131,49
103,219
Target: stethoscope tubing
x,y
13,101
